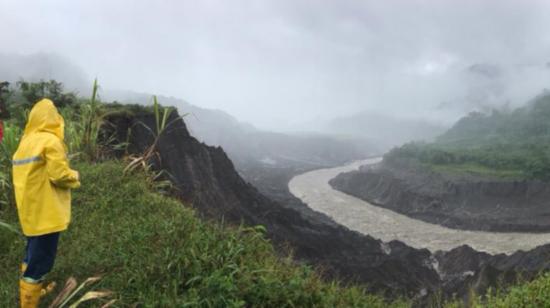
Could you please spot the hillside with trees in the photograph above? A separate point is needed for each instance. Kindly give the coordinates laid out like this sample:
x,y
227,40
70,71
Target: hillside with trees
x,y
504,143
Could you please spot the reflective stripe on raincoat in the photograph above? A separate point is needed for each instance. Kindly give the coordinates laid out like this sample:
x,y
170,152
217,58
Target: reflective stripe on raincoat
x,y
42,178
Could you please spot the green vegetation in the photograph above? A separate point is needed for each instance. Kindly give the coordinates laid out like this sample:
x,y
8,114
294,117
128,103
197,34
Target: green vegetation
x,y
510,144
153,251
20,98
530,294
143,161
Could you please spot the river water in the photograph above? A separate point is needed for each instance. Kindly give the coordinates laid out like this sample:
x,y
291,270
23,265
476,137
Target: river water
x,y
313,189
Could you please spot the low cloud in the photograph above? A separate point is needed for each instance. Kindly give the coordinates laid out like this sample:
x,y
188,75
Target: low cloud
x,y
281,63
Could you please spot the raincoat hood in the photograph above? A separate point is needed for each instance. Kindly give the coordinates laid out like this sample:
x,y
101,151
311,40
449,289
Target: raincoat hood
x,y
45,118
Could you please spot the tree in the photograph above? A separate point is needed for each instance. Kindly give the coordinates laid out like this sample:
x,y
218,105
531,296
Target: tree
x,y
34,91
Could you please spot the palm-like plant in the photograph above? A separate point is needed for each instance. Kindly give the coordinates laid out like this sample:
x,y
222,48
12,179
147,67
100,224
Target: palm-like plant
x,y
91,120
143,161
82,126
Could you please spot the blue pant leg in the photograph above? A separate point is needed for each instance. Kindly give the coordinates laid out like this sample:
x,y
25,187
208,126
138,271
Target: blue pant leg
x,y
41,254
26,259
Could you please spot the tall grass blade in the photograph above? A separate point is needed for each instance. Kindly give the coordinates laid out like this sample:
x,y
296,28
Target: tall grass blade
x,y
157,113
10,228
91,295
82,286
70,285
167,112
109,303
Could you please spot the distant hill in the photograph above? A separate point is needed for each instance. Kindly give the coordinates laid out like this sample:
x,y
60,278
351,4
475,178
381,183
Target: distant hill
x,y
526,123
507,143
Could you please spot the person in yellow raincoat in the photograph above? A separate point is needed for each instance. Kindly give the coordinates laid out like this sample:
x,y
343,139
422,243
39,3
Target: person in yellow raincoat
x,y
42,181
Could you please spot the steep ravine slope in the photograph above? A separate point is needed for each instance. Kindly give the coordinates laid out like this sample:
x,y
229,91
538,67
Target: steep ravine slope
x,y
463,268
206,177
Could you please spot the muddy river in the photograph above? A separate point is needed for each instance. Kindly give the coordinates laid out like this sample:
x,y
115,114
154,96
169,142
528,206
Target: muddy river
x,y
313,189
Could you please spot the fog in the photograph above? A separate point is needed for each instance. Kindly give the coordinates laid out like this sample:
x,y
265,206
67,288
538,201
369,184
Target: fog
x,y
292,64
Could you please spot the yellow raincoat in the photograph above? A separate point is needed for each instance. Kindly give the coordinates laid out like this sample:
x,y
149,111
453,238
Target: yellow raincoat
x,y
42,178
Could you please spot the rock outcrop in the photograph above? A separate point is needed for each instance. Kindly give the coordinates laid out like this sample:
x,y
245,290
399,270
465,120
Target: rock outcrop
x,y
463,269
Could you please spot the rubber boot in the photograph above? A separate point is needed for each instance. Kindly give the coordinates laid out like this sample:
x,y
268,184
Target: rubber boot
x,y
29,294
48,289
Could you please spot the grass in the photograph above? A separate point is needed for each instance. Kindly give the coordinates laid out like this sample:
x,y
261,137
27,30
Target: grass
x,y
477,169
531,294
506,160
153,251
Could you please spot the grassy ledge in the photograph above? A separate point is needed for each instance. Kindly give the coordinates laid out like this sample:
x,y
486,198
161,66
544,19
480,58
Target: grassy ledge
x,y
152,251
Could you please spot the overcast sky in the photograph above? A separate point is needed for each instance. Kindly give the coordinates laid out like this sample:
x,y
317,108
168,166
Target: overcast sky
x,y
283,62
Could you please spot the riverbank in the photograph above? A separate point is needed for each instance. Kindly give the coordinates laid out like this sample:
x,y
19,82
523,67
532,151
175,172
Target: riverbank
x,y
455,200
313,188
469,263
